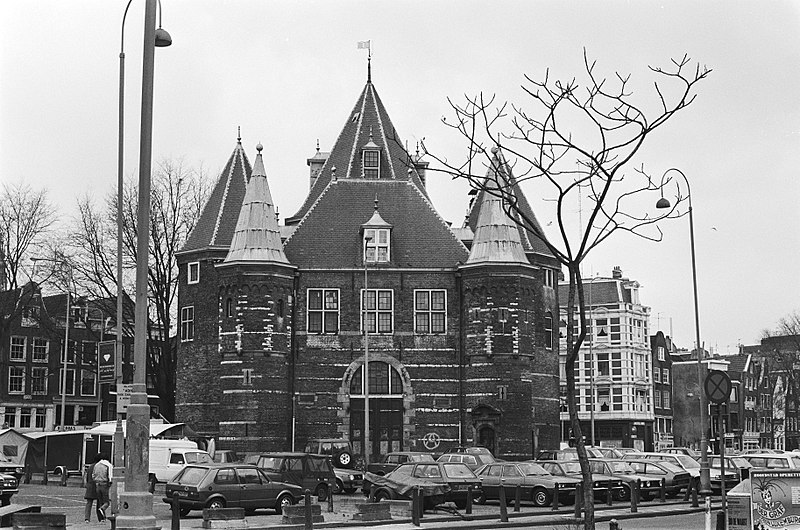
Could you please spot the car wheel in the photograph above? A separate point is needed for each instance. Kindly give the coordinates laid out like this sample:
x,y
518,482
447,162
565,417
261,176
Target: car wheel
x,y
216,503
344,459
339,489
540,497
322,492
283,501
623,494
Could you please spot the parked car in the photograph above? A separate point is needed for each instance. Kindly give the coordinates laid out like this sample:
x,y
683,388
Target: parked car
x,y
688,451
685,462
735,463
225,456
774,460
568,454
390,461
731,472
538,485
446,482
229,485
610,452
471,460
340,451
649,485
9,467
9,485
572,468
675,477
312,472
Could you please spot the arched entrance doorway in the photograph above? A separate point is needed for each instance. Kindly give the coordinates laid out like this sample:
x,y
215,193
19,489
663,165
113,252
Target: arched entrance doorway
x,y
485,423
385,409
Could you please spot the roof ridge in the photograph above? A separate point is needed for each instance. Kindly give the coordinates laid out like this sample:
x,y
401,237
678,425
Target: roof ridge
x,y
359,125
383,133
308,212
237,153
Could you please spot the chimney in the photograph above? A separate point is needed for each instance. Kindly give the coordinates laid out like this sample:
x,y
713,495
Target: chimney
x,y
315,164
617,273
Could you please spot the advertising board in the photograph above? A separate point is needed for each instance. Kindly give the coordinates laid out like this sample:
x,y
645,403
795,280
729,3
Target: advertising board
x,y
775,500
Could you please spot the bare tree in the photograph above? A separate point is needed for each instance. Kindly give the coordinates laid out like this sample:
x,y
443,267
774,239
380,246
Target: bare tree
x,y
578,142
177,197
26,218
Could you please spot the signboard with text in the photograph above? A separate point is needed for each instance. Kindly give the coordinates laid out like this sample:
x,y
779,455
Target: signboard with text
x,y
107,361
124,392
775,500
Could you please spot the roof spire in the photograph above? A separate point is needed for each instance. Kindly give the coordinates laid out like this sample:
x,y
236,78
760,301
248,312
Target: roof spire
x,y
376,201
369,68
317,145
239,134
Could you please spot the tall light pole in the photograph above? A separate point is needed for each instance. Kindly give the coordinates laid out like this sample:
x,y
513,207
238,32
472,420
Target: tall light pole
x,y
591,361
367,240
705,479
136,503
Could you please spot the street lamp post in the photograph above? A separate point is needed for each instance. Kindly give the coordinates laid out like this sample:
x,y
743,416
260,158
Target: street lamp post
x,y
136,503
705,479
367,240
591,361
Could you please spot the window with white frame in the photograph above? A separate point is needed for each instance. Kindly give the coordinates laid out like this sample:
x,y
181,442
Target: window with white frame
x,y
377,307
665,377
376,245
656,375
41,417
88,383
371,162
384,380
187,323
41,348
16,380
548,331
70,353
430,308
89,349
323,311
39,380
193,272
549,278
25,417
17,352
70,382
666,399
661,353
657,399
247,377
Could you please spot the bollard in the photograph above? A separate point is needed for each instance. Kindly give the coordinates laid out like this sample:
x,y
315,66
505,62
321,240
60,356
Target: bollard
x,y
614,525
415,507
554,503
635,489
517,497
578,499
421,504
663,492
64,475
330,500
696,484
309,523
610,493
503,506
176,513
720,520
468,511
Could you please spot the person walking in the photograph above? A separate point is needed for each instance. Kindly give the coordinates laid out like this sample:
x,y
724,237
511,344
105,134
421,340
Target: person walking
x,y
91,492
102,481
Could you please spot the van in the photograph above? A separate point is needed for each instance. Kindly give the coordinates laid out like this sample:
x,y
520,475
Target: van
x,y
169,457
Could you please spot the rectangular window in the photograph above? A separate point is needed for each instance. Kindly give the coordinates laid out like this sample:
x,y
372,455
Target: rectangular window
x,y
11,416
39,380
88,383
247,377
661,353
430,308
603,366
41,348
70,382
187,323
70,352
665,378
323,311
657,399
193,272
372,163
377,305
548,331
376,245
16,380
656,375
41,416
17,352
666,399
617,397
89,349
24,417
549,278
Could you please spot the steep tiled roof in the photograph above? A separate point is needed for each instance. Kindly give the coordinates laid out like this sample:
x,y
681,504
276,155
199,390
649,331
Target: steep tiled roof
x,y
530,241
497,236
217,222
329,236
367,121
257,236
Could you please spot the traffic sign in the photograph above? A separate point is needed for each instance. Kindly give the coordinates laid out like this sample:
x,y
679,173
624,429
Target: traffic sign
x,y
717,386
107,361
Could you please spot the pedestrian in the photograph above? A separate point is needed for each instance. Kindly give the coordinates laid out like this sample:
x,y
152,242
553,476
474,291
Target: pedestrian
x,y
91,492
102,481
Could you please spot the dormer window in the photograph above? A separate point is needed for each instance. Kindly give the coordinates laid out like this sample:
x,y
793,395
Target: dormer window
x,y
376,245
371,160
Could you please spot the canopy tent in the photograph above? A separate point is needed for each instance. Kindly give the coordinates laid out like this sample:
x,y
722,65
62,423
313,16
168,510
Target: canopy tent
x,y
14,445
157,430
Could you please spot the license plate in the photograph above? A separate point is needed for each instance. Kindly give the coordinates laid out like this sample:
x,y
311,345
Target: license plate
x,y
181,494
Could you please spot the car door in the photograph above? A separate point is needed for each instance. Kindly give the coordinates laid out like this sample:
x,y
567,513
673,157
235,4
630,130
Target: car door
x,y
252,490
511,477
490,480
226,483
271,489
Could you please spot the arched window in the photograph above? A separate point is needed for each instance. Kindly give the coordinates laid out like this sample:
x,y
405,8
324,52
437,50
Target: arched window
x,y
383,380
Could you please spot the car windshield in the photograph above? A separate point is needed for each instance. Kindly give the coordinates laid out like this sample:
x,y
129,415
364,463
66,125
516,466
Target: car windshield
x,y
618,466
198,458
190,476
688,462
270,462
455,470
532,469
571,467
671,467
421,458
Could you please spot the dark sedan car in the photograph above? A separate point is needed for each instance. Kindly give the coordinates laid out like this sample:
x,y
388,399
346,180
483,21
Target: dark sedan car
x,y
538,485
649,485
675,477
229,485
572,469
449,481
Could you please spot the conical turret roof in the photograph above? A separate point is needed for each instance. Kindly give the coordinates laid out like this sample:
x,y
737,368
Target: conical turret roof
x,y
217,221
257,237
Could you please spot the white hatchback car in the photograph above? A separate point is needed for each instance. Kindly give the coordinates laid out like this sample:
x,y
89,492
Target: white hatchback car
x,y
774,461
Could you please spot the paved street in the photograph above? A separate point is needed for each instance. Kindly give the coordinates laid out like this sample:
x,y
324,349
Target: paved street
x,y
69,500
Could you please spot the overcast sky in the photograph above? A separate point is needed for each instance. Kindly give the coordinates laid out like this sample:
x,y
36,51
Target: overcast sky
x,y
288,73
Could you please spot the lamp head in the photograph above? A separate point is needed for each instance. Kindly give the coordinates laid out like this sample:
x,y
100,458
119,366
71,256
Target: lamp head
x,y
663,203
163,38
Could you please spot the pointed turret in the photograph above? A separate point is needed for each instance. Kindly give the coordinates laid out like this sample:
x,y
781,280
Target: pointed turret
x,y
257,237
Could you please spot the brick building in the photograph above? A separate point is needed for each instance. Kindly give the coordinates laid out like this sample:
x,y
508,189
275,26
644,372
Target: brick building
x,y
661,359
459,321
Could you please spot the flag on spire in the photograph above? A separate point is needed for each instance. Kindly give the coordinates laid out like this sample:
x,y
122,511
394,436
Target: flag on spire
x,y
363,45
